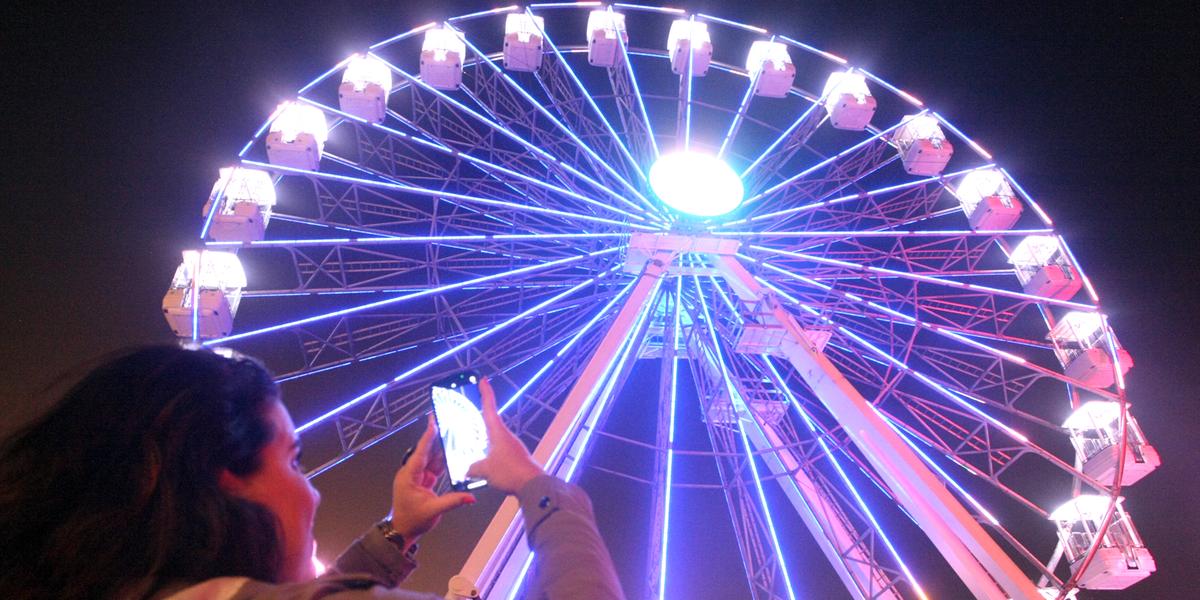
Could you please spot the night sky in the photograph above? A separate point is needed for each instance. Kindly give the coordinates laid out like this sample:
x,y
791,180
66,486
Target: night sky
x,y
118,116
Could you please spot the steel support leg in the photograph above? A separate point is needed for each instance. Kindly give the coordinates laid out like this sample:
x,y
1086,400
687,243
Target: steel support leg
x,y
662,470
499,558
977,559
823,517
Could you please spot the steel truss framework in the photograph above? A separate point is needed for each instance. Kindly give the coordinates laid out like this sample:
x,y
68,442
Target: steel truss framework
x,y
508,225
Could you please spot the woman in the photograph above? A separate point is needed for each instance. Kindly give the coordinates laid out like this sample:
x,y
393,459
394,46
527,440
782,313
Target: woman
x,y
174,473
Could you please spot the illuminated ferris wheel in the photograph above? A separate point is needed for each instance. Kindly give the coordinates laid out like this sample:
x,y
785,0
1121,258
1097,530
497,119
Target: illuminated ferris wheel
x,y
883,332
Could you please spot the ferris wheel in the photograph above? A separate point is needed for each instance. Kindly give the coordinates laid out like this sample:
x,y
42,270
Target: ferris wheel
x,y
878,331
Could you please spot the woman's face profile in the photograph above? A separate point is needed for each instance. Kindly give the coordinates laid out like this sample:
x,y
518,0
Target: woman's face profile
x,y
281,486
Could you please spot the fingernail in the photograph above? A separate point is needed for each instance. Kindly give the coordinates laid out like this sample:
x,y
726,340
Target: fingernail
x,y
471,500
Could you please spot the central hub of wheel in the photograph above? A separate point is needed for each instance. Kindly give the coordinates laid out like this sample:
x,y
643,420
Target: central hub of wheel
x,y
696,184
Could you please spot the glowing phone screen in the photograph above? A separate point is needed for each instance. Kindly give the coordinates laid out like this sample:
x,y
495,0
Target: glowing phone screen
x,y
460,425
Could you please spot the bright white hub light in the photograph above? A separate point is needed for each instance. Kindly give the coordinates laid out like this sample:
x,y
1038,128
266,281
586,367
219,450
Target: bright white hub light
x,y
697,184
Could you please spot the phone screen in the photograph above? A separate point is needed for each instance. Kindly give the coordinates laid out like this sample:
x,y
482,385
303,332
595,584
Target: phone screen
x,y
460,425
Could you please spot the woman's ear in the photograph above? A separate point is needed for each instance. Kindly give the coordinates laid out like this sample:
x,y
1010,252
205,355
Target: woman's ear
x,y
231,484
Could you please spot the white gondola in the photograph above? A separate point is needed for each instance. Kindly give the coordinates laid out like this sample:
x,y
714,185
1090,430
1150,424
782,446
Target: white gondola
x,y
366,83
604,49
924,149
848,101
208,285
523,42
297,136
1121,559
1044,269
988,200
442,54
772,65
1079,342
689,40
247,197
1095,432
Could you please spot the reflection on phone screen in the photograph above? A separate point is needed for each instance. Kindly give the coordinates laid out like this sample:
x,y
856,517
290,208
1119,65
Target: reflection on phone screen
x,y
464,438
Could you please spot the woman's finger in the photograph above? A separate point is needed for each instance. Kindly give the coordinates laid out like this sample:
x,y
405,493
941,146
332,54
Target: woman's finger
x,y
420,456
491,417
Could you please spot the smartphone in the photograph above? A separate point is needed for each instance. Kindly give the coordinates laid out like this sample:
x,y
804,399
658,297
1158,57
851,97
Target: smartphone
x,y
456,407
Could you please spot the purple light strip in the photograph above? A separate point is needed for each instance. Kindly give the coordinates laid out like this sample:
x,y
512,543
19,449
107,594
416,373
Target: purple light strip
x,y
925,278
904,435
913,321
742,410
779,140
484,13
687,79
974,145
592,102
858,196
261,129
885,233
656,9
419,191
604,396
426,292
450,352
823,54
862,504
570,344
483,165
945,392
735,24
419,239
1087,282
736,123
790,180
533,148
338,67
1028,199
397,38
899,92
215,208
662,566
558,5
782,385
637,92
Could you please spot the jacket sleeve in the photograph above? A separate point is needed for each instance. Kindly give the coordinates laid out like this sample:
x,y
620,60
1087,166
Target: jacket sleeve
x,y
572,561
370,569
373,555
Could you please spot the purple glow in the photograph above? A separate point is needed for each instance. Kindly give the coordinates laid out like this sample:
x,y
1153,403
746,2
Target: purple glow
x,y
426,292
450,352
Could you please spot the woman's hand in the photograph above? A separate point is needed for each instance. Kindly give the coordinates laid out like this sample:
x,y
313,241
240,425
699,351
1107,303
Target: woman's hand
x,y
415,507
508,466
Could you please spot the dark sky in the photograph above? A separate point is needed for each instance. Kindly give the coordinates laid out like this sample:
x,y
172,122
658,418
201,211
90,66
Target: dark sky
x,y
119,114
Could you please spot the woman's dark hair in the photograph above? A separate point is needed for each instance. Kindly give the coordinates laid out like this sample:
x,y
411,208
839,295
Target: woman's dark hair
x,y
114,492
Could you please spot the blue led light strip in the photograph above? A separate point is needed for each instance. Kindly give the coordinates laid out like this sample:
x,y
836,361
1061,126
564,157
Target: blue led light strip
x,y
742,411
567,347
483,165
794,178
422,293
662,573
452,351
592,102
782,386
